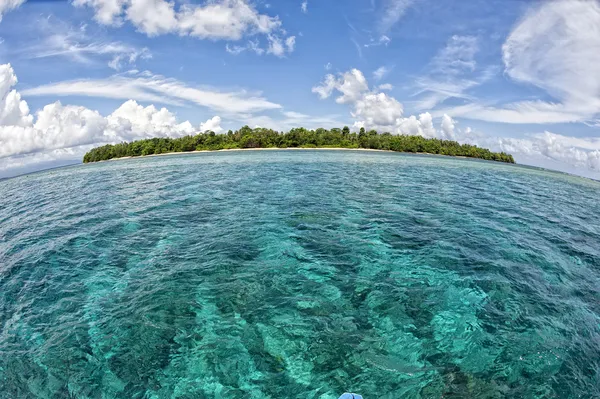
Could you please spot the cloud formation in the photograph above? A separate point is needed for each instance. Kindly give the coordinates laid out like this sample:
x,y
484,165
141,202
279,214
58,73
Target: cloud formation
x,y
213,124
252,45
377,110
569,154
146,86
554,47
75,44
381,72
374,109
66,132
451,73
8,5
215,20
58,127
393,11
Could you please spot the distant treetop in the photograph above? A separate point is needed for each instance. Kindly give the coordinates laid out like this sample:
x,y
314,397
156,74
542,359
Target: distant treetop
x,y
295,138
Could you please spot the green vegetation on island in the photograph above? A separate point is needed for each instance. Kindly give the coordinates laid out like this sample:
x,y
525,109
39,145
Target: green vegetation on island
x,y
295,138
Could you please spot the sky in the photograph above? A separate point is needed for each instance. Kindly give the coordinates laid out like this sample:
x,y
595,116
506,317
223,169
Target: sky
x,y
518,76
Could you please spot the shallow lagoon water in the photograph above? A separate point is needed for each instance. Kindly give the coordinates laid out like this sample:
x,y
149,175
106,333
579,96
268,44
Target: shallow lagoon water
x,y
299,274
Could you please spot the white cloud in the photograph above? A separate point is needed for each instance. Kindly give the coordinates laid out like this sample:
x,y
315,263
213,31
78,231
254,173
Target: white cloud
x,y
447,127
108,12
61,40
8,5
358,47
278,47
252,45
518,113
59,127
132,121
385,86
213,124
451,73
393,11
433,92
148,87
457,56
382,41
381,72
292,120
304,6
275,46
352,85
325,89
372,109
551,150
60,134
13,110
290,43
215,20
422,126
235,49
19,164
377,109
328,66
555,47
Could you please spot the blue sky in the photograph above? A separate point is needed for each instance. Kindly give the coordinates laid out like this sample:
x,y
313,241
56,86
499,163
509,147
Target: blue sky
x,y
511,75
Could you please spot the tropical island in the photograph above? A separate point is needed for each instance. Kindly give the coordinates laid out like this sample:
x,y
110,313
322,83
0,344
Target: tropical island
x,y
248,138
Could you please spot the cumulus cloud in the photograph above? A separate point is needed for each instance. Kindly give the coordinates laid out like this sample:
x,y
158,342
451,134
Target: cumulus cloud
x,y
58,127
13,110
352,85
8,5
374,109
146,86
214,20
447,127
421,126
132,121
377,109
304,6
213,124
64,133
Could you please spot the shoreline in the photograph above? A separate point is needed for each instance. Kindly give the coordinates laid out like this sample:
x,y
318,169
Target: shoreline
x,y
293,149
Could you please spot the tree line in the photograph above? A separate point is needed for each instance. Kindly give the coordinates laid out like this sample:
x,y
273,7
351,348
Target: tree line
x,y
295,138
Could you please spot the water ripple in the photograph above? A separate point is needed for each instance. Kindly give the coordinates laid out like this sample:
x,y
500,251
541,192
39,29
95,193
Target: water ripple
x,y
299,275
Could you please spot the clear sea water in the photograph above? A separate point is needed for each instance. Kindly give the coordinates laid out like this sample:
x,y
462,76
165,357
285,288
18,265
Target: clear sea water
x,y
299,274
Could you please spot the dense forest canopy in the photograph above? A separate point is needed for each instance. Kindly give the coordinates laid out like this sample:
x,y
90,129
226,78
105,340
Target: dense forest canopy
x,y
295,138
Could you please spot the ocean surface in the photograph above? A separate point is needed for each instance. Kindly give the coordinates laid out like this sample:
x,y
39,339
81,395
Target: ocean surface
x,y
299,274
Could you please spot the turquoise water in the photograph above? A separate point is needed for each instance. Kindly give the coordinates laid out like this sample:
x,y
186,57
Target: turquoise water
x,y
299,274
